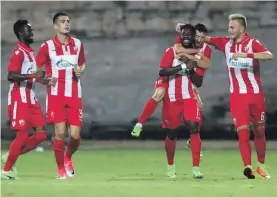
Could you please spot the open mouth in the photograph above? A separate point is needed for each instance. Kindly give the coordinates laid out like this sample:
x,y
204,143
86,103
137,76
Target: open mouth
x,y
67,28
186,41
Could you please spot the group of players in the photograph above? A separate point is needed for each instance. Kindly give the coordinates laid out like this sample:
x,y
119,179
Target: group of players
x,y
60,62
182,69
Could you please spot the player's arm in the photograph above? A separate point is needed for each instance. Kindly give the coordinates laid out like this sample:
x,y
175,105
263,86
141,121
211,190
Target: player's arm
x,y
81,62
218,42
166,68
196,78
200,60
14,68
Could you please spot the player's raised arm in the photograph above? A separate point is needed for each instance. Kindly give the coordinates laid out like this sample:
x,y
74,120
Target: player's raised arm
x,y
166,68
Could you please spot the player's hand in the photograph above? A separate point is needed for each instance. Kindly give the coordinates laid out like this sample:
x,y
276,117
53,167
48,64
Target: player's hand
x,y
178,27
78,71
237,55
53,81
39,74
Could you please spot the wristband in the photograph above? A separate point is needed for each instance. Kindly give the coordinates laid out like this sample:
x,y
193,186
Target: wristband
x,y
183,66
250,55
33,75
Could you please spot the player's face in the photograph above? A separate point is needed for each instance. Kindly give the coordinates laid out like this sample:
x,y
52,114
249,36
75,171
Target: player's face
x,y
235,29
63,25
28,34
187,37
199,38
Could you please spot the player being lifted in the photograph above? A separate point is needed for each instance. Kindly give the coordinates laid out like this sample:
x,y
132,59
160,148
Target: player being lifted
x,y
64,59
23,107
247,101
162,82
179,103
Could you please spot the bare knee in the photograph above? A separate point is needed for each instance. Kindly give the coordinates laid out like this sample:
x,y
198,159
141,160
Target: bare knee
x,y
60,130
158,94
75,132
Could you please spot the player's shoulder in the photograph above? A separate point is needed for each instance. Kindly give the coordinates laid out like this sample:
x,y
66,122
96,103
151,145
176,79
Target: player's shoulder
x,y
169,49
77,41
17,51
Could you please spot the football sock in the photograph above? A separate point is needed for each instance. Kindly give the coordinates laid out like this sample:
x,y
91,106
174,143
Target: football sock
x,y
148,110
59,152
170,146
33,141
260,145
72,146
244,146
195,146
15,148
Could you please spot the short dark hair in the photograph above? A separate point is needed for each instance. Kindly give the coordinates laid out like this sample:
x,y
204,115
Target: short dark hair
x,y
56,16
201,27
188,26
18,26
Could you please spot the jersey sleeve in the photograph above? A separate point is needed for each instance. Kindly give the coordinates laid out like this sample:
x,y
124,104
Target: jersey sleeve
x,y
219,42
208,52
178,39
258,47
81,59
167,59
16,61
43,55
200,71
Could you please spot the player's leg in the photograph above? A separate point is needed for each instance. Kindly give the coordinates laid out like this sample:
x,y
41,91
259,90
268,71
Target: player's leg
x,y
75,121
240,113
56,114
259,118
148,110
192,117
19,123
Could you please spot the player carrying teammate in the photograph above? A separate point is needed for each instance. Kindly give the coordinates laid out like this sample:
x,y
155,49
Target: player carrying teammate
x,y
247,101
64,59
24,110
180,102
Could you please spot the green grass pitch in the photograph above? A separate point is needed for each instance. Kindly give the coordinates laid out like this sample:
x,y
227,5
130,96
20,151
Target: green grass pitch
x,y
126,173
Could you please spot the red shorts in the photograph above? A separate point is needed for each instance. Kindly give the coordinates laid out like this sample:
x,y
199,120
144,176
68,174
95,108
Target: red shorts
x,y
161,83
24,116
248,109
64,109
174,112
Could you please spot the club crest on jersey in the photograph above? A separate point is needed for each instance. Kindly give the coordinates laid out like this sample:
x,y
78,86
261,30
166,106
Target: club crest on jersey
x,y
65,64
21,123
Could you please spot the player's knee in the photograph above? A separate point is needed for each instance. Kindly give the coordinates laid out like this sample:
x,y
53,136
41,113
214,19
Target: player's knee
x,y
158,94
193,127
243,127
40,128
60,130
259,131
171,134
75,132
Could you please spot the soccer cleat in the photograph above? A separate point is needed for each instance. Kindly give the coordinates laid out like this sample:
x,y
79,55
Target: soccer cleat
x,y
188,146
248,172
137,130
4,159
171,171
8,175
196,174
61,174
68,164
261,169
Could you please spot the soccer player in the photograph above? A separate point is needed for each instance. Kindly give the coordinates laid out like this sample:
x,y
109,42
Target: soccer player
x,y
247,101
24,109
201,33
64,59
180,102
162,84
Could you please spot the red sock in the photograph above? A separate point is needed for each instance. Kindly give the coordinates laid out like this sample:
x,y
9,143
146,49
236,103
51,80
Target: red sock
x,y
170,146
244,146
72,146
195,146
148,110
15,148
33,141
59,152
260,145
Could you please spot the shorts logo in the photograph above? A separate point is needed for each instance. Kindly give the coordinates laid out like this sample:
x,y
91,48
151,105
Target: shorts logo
x,y
52,114
21,123
13,123
80,114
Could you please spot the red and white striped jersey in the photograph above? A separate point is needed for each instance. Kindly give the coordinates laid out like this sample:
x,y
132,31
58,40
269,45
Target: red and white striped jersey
x,y
60,60
22,61
244,73
179,86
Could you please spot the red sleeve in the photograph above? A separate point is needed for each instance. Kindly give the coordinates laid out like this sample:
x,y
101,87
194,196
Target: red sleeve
x,y
208,52
82,58
16,61
178,39
219,42
200,71
43,55
258,47
167,59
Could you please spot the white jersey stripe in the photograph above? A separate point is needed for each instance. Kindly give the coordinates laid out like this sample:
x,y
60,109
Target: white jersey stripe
x,y
14,110
79,89
171,88
68,83
185,88
55,73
